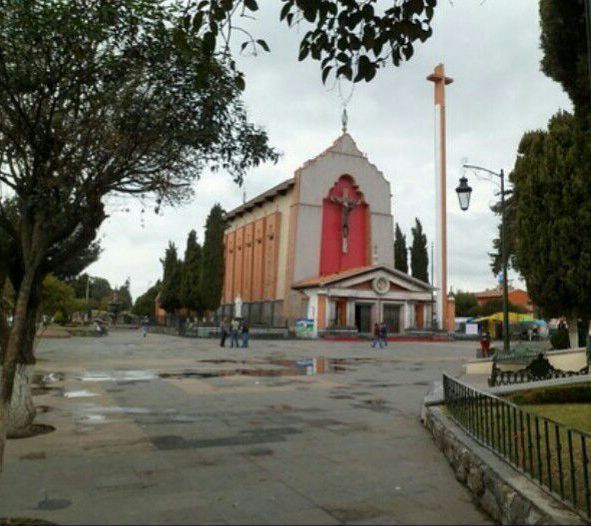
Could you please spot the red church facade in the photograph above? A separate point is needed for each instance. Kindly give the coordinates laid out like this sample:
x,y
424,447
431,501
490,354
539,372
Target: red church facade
x,y
319,246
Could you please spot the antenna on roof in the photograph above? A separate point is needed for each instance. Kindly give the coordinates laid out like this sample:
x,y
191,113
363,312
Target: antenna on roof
x,y
344,119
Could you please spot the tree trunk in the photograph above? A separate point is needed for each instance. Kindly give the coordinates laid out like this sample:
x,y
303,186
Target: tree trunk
x,y
21,412
573,330
13,348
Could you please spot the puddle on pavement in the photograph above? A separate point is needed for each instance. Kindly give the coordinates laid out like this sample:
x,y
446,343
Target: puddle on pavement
x,y
79,394
281,367
118,376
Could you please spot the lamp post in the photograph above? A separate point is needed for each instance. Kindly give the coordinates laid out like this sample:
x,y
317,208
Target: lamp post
x,y
464,191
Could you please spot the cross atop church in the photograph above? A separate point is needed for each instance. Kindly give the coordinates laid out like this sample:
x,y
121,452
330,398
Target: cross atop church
x,y
348,204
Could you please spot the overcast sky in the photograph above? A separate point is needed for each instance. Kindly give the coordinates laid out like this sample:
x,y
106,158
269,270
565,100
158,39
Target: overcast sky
x,y
491,50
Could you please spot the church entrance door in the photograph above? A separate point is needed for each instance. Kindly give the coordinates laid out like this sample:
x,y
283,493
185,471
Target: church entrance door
x,y
363,318
392,317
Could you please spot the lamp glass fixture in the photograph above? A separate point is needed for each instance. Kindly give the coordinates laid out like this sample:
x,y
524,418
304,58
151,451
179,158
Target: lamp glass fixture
x,y
464,191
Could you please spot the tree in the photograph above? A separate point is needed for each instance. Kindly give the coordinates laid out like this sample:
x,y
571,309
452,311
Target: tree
x,y
135,98
192,268
58,296
96,287
97,98
171,280
466,304
213,259
124,295
564,46
419,260
400,255
553,216
145,304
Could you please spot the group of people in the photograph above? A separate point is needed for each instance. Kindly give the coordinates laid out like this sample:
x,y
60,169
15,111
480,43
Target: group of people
x,y
238,332
380,335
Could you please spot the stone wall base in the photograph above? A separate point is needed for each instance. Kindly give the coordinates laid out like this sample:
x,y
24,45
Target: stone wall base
x,y
506,495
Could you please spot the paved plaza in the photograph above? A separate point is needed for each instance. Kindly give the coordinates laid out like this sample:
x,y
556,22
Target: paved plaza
x,y
165,429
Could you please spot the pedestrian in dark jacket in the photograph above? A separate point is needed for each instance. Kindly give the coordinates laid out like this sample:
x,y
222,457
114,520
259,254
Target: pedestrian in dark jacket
x,y
383,334
223,333
245,334
376,336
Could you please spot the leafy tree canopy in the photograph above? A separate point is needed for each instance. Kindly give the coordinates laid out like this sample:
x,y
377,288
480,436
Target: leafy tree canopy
x,y
145,304
58,296
466,304
350,39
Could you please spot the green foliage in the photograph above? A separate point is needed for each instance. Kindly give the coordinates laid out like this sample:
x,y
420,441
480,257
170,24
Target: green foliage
x,y
419,259
213,259
466,304
553,216
400,254
98,289
146,303
124,296
352,40
564,45
58,296
190,290
171,281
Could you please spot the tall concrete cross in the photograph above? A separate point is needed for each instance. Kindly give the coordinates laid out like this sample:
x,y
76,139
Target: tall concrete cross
x,y
348,204
440,81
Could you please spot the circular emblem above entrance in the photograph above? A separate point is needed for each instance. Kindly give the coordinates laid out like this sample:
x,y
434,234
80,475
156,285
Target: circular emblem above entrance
x,y
380,285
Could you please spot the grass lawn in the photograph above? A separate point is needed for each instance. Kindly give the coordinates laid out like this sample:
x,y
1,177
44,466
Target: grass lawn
x,y
566,404
577,416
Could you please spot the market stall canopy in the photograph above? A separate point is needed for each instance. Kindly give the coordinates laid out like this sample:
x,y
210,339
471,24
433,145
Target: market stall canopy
x,y
514,317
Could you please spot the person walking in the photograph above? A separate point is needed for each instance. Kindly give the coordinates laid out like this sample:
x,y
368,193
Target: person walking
x,y
235,326
376,336
245,334
485,343
383,334
145,323
223,332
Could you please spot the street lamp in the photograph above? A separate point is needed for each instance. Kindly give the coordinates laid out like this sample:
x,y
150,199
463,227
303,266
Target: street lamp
x,y
464,191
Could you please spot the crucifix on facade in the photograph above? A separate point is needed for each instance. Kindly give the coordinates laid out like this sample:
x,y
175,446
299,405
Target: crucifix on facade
x,y
348,204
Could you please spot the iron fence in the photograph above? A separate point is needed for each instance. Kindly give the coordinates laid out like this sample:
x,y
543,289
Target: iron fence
x,y
551,454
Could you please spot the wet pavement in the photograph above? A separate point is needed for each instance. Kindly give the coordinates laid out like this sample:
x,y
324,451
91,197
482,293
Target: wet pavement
x,y
171,430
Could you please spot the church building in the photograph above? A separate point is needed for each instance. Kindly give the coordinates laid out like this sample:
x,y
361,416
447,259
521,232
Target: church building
x,y
319,247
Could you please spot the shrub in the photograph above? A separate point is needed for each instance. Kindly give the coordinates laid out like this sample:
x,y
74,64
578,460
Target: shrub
x,y
559,339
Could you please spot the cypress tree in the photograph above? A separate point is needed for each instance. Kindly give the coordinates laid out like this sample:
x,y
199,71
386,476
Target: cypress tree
x,y
171,280
400,255
191,279
419,259
213,259
553,218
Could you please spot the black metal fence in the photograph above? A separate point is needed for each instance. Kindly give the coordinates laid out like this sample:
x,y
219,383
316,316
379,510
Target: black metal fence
x,y
551,454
